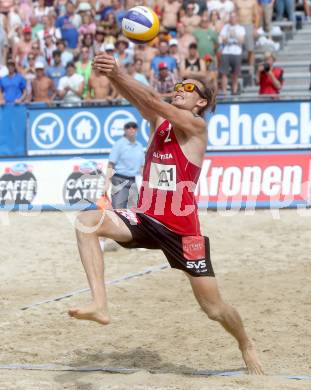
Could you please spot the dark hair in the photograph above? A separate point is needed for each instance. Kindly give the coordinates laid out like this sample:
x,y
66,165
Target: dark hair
x,y
209,91
70,64
193,45
128,125
10,61
56,53
62,41
85,36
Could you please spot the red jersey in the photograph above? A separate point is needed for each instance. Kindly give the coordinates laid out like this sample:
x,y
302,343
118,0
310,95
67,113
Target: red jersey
x,y
169,181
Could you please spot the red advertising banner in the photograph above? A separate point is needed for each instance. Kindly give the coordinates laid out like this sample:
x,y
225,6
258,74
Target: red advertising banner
x,y
279,180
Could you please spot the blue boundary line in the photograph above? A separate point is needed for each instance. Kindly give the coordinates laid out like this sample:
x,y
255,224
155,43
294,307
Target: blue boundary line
x,y
124,370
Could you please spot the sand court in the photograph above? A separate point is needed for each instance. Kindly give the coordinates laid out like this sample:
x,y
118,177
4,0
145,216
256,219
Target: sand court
x,y
158,332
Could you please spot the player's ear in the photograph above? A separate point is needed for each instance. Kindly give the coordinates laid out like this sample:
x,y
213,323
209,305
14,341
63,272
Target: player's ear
x,y
201,103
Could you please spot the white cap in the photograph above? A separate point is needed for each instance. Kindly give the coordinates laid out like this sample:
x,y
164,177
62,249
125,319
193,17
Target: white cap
x,y
173,42
109,46
39,64
84,7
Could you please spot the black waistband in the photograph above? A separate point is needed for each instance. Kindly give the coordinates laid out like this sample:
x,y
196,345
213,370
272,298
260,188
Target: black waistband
x,y
124,177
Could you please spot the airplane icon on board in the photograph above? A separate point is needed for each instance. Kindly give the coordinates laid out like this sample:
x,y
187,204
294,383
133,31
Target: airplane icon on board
x,y
47,133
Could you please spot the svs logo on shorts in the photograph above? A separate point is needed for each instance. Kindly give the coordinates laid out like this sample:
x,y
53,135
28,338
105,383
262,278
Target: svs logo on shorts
x,y
85,185
18,185
197,265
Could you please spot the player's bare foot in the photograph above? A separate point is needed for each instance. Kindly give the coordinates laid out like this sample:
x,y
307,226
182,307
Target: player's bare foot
x,y
90,313
251,359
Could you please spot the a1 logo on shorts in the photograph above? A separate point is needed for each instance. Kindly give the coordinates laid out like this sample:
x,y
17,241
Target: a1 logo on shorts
x,y
162,177
193,247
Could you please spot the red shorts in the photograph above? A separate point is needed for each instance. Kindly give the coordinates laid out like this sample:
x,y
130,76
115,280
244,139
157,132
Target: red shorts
x,y
187,253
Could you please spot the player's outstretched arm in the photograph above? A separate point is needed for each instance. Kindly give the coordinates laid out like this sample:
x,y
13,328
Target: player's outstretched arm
x,y
132,90
146,99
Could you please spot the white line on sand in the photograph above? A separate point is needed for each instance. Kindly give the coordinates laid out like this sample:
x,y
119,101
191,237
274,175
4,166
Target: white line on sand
x,y
109,282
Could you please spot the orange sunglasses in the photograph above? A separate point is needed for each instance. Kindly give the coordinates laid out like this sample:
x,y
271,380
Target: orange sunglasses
x,y
189,87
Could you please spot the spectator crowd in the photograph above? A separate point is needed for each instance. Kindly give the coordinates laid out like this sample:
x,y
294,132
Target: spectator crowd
x,y
47,46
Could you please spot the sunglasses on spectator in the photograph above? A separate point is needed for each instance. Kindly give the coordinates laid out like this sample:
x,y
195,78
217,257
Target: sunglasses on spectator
x,y
189,87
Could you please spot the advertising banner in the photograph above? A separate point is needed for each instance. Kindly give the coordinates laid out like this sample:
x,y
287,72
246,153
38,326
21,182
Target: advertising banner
x,y
12,130
244,126
227,180
60,131
255,180
45,183
260,125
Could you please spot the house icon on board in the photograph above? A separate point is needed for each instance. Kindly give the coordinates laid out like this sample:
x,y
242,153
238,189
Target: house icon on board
x,y
84,130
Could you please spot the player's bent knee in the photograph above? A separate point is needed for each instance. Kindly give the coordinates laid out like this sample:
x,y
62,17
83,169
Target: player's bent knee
x,y
84,219
88,221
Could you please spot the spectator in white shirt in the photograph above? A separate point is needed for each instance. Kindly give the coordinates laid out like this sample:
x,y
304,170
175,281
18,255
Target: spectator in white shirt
x,y
222,6
40,10
70,87
231,39
48,22
225,9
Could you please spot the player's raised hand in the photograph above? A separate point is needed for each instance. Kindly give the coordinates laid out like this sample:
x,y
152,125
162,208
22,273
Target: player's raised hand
x,y
105,64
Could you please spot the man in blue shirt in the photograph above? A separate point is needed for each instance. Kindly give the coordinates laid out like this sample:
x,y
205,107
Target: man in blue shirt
x,y
57,70
163,56
125,164
68,27
12,86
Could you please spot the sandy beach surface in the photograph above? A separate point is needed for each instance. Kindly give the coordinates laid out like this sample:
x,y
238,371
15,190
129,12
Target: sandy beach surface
x,y
262,261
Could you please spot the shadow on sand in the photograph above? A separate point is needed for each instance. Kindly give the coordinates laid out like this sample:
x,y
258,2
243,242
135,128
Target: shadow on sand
x,y
136,360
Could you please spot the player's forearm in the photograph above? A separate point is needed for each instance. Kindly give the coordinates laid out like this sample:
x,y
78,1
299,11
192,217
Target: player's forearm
x,y
140,95
134,91
122,91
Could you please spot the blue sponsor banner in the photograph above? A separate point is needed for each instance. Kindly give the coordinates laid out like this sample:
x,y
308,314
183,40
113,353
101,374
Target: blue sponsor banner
x,y
260,125
12,130
243,126
80,130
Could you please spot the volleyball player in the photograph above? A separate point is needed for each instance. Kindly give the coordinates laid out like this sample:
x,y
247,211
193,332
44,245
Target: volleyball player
x,y
166,217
